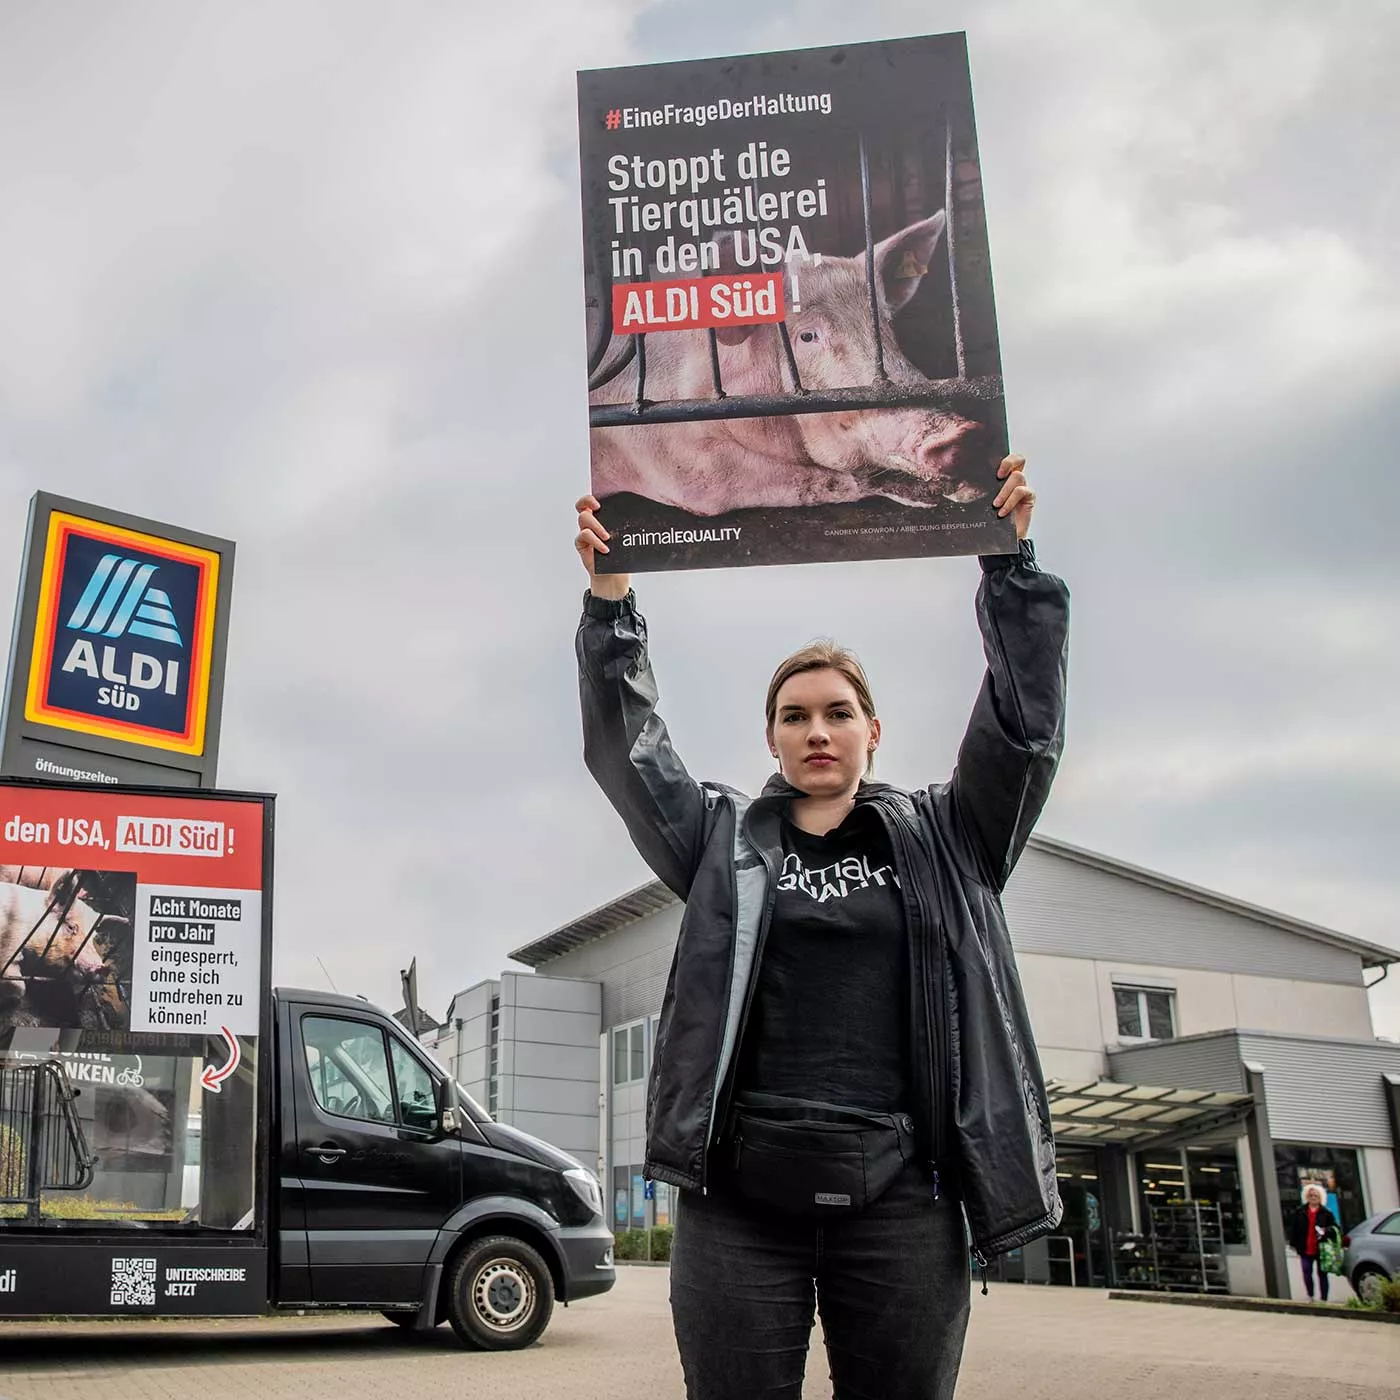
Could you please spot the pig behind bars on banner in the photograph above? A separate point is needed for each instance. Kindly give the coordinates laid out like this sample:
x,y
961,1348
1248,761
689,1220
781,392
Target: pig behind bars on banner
x,y
52,971
916,454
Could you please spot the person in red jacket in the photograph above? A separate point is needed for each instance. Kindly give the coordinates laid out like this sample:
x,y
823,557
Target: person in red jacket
x,y
1311,1222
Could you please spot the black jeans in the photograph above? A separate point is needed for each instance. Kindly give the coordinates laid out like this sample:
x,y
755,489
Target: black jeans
x,y
1311,1262
891,1285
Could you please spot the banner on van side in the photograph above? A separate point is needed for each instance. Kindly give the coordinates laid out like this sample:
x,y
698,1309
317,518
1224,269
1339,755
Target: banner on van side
x,y
124,912
148,1277
135,951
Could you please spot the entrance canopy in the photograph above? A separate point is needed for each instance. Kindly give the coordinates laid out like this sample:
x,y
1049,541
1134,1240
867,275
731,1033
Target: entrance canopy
x,y
1133,1116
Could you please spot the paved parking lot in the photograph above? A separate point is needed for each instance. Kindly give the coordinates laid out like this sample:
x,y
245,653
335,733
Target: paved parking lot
x,y
1025,1343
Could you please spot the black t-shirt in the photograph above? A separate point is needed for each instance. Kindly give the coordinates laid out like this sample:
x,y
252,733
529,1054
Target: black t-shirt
x,y
830,1017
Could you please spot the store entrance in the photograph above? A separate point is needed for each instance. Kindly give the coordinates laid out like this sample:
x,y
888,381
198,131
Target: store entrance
x,y
1078,1250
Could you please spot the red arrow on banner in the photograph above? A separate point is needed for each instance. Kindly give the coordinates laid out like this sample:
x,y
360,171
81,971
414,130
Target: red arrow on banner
x,y
213,1077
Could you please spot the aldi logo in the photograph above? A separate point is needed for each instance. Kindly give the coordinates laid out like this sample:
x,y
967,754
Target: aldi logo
x,y
123,639
121,590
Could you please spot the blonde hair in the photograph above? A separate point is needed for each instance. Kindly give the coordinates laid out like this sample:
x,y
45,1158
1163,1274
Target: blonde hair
x,y
822,656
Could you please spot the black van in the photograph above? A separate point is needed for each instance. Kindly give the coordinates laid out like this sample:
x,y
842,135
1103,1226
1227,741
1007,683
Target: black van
x,y
414,1201
383,1186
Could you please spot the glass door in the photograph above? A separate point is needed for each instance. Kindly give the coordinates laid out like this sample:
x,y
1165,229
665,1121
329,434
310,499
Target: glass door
x,y
1079,1248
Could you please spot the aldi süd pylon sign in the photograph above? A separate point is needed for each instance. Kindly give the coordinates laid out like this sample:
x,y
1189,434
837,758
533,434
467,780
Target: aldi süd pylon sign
x,y
117,659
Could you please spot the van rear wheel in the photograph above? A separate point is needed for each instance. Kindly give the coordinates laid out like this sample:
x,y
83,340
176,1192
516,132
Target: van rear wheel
x,y
501,1294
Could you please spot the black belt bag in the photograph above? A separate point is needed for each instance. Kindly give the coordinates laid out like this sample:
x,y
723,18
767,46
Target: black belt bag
x,y
815,1160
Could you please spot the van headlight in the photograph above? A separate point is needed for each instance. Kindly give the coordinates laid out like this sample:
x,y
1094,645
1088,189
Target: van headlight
x,y
586,1188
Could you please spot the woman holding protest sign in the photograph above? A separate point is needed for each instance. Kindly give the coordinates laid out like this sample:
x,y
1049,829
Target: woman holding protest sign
x,y
843,1056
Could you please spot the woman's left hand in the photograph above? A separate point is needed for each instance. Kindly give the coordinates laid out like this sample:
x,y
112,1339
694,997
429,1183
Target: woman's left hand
x,y
1015,496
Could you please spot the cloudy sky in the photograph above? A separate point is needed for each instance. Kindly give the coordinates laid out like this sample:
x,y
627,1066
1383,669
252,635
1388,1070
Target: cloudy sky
x,y
307,275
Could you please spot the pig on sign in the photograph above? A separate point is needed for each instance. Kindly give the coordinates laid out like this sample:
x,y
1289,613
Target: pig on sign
x,y
792,340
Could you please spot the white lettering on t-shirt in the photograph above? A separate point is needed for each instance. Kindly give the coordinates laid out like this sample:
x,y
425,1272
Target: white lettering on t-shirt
x,y
837,881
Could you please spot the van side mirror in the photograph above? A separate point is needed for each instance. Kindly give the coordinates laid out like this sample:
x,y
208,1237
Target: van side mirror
x,y
449,1110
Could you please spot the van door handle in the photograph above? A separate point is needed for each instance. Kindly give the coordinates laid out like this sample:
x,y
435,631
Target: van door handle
x,y
328,1153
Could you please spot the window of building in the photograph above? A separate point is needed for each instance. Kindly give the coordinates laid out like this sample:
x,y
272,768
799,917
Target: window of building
x,y
629,1198
630,1053
1213,1178
1145,1013
493,1065
1209,1176
621,1207
1161,1181
1335,1169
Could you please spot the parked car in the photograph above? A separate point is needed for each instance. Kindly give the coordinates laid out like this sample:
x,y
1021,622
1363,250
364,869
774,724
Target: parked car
x,y
1373,1253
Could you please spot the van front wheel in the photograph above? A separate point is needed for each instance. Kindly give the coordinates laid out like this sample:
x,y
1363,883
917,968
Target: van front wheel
x,y
501,1295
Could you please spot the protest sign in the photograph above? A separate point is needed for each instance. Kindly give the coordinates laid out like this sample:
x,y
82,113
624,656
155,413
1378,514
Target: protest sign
x,y
792,346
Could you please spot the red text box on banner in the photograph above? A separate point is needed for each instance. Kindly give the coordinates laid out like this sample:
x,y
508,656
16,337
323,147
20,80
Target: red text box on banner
x,y
163,840
698,303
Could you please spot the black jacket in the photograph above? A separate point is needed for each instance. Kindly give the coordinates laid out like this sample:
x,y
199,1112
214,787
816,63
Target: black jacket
x,y
1298,1226
955,845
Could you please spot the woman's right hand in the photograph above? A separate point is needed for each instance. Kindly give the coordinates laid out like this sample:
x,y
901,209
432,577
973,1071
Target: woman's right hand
x,y
590,539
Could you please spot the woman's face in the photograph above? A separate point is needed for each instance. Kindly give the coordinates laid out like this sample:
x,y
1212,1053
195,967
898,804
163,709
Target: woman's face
x,y
1313,1195
820,735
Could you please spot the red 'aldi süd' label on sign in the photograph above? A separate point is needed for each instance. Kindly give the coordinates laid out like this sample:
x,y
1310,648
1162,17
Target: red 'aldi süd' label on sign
x,y
700,303
151,836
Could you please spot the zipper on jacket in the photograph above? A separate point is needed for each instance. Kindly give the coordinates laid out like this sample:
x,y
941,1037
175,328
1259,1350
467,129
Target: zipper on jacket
x,y
728,982
934,995
770,896
722,1094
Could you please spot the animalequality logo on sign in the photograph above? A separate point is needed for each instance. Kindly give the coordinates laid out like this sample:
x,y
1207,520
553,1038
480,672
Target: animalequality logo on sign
x,y
792,345
123,641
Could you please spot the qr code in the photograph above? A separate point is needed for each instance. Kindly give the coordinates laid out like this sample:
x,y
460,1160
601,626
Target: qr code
x,y
133,1283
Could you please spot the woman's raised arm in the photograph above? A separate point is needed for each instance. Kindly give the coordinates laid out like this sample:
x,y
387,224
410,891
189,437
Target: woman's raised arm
x,y
625,743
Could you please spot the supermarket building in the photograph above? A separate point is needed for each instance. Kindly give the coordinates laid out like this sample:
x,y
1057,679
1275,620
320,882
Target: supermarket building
x,y
1204,1057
